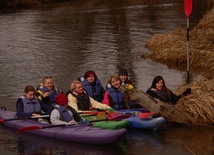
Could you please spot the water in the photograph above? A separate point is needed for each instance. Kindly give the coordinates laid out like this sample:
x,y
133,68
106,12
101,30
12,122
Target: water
x,y
67,39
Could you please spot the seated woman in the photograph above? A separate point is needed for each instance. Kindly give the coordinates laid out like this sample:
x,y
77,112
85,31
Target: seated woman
x,y
93,86
63,113
81,101
47,91
28,105
124,77
159,90
113,96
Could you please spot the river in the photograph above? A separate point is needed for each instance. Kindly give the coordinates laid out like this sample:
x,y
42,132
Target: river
x,y
65,40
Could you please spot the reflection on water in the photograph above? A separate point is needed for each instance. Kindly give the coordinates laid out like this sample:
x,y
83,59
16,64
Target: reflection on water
x,y
67,39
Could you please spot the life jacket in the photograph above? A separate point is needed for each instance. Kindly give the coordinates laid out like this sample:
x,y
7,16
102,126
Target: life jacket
x,y
93,91
31,106
64,113
116,96
83,101
53,93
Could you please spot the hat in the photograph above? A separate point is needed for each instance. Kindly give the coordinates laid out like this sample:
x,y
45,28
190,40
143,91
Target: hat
x,y
61,99
123,71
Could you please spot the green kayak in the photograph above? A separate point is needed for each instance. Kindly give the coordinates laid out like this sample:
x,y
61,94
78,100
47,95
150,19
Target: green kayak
x,y
113,125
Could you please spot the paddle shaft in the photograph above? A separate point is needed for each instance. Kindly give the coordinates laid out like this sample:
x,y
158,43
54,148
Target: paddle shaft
x,y
188,10
22,118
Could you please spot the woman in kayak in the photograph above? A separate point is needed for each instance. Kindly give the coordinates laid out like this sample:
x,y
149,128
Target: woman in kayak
x,y
159,90
113,96
92,85
63,113
28,105
124,77
81,101
47,91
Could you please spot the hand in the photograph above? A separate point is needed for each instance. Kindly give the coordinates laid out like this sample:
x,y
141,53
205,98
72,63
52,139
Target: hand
x,y
72,122
46,94
187,92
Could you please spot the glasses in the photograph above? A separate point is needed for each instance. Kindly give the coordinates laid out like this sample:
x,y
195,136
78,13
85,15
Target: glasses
x,y
48,77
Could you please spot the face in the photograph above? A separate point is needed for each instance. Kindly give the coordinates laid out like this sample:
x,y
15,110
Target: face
x,y
123,78
91,78
79,88
115,83
48,83
30,95
159,85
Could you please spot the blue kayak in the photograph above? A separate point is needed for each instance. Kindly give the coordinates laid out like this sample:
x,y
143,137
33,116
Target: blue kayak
x,y
149,123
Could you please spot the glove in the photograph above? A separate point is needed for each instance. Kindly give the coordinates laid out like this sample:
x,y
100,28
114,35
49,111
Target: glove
x,y
110,110
187,92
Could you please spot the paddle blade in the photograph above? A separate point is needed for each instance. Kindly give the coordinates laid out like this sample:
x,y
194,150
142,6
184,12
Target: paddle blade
x,y
118,116
1,120
145,115
29,128
187,7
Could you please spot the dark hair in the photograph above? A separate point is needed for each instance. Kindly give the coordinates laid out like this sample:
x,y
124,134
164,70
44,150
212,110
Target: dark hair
x,y
123,71
156,80
29,88
88,73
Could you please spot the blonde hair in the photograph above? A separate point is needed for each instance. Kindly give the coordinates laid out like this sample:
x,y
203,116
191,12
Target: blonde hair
x,y
45,78
116,77
73,84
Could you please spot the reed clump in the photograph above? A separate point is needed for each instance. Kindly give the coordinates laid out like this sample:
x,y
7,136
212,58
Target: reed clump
x,y
171,49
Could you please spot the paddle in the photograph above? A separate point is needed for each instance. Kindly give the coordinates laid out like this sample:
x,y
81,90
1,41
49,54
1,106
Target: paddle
x,y
53,126
123,115
188,10
21,118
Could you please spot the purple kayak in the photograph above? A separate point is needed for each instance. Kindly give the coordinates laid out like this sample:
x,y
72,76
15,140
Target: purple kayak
x,y
77,133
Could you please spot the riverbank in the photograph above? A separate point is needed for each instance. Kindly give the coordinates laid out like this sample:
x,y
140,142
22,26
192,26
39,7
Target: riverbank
x,y
171,49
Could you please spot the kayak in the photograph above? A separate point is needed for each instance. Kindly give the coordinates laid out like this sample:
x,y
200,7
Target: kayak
x,y
109,124
148,123
83,133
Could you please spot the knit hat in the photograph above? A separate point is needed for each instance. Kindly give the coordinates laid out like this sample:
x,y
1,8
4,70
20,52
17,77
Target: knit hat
x,y
123,71
61,99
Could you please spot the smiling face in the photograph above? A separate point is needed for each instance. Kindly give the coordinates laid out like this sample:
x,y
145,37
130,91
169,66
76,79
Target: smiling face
x,y
159,85
48,83
78,88
115,82
90,78
123,78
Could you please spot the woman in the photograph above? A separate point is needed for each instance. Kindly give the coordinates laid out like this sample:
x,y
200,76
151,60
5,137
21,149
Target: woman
x,y
47,91
81,101
28,105
113,96
123,74
159,90
93,86
63,113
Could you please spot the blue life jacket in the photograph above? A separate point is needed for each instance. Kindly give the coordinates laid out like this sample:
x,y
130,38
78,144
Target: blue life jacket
x,y
64,113
53,93
31,106
116,98
94,92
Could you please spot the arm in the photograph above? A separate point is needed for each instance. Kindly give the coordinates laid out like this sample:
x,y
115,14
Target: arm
x,y
174,98
55,117
20,109
45,108
98,105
